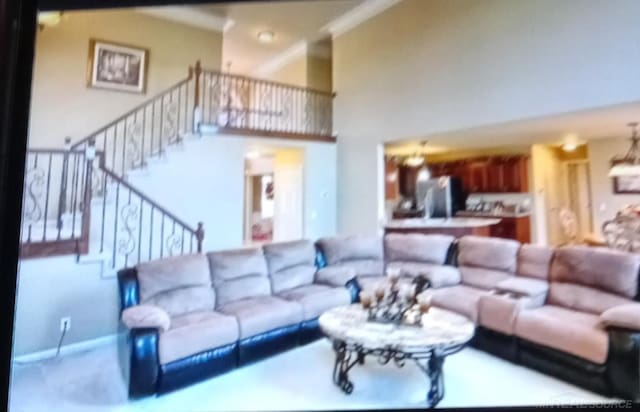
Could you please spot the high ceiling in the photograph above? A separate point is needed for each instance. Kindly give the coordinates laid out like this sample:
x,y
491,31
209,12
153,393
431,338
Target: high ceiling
x,y
293,22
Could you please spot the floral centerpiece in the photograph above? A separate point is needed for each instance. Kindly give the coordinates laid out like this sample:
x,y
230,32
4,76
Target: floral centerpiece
x,y
397,302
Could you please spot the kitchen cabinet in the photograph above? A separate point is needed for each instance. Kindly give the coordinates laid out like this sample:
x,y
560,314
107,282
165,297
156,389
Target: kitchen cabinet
x,y
517,228
494,174
391,177
407,180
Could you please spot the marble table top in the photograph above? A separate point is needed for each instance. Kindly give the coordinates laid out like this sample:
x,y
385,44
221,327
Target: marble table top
x,y
440,329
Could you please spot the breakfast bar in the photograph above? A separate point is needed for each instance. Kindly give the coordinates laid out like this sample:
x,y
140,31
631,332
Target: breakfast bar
x,y
455,226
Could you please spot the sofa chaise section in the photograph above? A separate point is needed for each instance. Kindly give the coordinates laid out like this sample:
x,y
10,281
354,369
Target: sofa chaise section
x,y
569,336
267,323
292,271
175,336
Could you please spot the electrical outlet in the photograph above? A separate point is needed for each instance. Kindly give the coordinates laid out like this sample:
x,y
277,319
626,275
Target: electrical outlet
x,y
65,324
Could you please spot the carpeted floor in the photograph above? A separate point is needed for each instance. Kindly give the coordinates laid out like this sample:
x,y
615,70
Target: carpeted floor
x,y
295,380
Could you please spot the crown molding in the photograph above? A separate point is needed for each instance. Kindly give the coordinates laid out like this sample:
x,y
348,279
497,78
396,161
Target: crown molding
x,y
299,49
357,16
189,16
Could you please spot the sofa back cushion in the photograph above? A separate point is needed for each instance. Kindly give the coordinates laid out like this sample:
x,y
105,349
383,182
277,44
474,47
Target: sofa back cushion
x,y
179,284
239,274
290,264
605,269
346,248
534,261
488,253
415,247
583,298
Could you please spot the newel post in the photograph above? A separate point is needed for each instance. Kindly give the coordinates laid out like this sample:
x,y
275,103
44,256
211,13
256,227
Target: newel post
x,y
200,235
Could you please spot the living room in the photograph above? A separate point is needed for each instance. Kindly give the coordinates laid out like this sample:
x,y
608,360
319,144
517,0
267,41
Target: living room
x,y
249,184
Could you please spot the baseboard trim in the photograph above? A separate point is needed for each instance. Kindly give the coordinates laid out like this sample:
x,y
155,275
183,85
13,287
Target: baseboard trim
x,y
68,349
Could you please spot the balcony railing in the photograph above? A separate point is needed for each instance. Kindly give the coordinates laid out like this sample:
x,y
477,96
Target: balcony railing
x,y
245,103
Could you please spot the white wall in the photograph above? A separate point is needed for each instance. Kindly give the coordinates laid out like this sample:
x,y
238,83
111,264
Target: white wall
x,y
424,67
205,181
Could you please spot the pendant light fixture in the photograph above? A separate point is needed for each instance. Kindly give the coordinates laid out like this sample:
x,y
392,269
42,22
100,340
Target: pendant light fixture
x,y
417,159
629,164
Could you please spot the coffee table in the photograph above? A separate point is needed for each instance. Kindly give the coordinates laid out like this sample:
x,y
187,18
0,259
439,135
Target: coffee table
x,y
354,337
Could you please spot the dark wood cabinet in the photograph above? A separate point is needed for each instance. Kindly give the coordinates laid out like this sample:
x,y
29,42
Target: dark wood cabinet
x,y
407,180
495,174
518,228
391,175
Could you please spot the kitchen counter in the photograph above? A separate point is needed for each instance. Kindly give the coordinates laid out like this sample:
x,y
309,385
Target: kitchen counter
x,y
456,226
471,213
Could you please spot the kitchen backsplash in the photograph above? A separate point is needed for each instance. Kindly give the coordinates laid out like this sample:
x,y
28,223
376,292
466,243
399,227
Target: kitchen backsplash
x,y
523,201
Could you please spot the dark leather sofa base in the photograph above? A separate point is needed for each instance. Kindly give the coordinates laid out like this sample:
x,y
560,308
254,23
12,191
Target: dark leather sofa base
x,y
310,331
184,372
577,371
496,343
142,362
266,344
623,366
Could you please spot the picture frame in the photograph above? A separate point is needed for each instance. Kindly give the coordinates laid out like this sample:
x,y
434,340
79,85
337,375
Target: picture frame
x,y
626,185
117,66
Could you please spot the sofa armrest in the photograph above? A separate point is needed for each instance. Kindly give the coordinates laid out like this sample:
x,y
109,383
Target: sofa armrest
x,y
146,316
128,287
335,275
623,316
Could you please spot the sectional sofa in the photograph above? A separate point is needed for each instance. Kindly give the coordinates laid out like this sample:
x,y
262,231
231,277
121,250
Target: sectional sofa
x,y
572,312
196,316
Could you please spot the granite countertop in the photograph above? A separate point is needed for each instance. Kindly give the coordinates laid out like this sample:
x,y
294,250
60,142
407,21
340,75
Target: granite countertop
x,y
471,213
440,222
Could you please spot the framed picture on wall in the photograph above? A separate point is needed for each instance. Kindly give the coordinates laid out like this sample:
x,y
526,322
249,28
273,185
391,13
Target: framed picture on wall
x,y
117,66
626,185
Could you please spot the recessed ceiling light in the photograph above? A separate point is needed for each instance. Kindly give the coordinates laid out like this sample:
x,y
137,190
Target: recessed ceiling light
x,y
266,36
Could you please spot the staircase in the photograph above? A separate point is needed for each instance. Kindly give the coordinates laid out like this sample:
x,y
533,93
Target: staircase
x,y
78,200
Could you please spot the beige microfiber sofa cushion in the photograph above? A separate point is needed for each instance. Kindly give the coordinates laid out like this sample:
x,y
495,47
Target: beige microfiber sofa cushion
x,y
239,274
291,264
623,316
534,261
416,247
146,316
488,253
605,269
194,333
179,284
262,314
567,330
349,248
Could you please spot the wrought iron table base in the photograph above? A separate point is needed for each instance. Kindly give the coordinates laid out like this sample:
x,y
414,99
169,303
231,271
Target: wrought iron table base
x,y
347,356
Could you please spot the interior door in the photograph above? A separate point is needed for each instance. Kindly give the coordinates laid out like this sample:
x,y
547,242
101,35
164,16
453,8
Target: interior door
x,y
288,181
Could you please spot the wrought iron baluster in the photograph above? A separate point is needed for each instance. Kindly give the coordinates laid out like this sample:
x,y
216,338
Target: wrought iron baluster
x,y
151,232
104,210
140,232
46,199
115,225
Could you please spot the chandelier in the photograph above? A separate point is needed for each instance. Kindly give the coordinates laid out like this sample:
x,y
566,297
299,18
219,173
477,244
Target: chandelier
x,y
629,164
417,159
